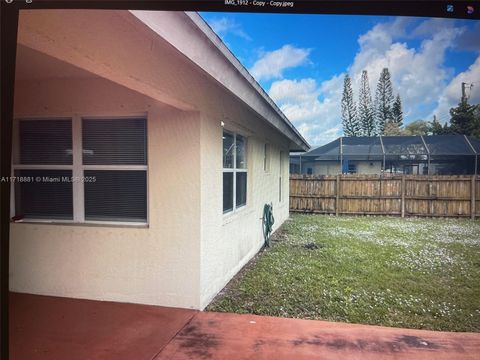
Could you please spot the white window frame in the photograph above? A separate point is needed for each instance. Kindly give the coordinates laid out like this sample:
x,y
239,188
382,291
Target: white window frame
x,y
235,170
78,168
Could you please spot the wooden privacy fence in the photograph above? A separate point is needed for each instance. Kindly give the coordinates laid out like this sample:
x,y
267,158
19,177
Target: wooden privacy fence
x,y
402,195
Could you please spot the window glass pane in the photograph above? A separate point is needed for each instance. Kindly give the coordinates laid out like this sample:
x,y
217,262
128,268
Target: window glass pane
x,y
241,152
241,191
45,142
48,195
266,157
116,195
227,191
114,142
227,150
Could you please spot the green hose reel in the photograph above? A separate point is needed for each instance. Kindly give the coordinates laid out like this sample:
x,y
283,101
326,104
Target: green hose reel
x,y
267,223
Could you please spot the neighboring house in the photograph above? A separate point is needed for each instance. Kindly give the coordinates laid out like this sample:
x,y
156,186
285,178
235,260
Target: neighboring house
x,y
126,193
421,155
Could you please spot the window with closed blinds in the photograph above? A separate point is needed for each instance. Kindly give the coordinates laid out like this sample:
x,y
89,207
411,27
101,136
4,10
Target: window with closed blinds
x,y
119,193
81,169
46,195
116,195
114,142
43,169
45,142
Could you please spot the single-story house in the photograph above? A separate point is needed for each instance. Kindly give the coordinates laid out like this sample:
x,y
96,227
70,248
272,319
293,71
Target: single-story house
x,y
421,155
144,153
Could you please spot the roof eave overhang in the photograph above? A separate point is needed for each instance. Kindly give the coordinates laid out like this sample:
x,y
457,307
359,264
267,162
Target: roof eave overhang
x,y
220,62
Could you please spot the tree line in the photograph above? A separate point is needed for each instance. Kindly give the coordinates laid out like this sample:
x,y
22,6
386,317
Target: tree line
x,y
385,115
464,120
381,117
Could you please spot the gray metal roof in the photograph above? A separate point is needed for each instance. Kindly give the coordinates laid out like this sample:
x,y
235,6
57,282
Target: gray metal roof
x,y
410,147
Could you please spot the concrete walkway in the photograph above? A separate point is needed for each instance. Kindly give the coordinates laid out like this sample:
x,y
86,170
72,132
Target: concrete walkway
x,y
44,327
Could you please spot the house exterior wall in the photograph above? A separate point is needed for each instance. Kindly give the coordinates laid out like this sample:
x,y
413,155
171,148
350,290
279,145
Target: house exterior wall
x,y
120,263
190,249
326,167
229,241
368,167
322,167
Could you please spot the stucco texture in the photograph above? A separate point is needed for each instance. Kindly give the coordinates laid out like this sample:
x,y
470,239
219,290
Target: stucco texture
x,y
118,66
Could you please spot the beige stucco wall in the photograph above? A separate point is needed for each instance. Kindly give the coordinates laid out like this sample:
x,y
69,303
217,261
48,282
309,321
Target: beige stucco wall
x,y
140,265
322,167
190,249
229,241
368,167
333,167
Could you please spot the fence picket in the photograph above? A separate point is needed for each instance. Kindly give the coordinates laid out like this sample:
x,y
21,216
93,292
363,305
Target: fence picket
x,y
402,195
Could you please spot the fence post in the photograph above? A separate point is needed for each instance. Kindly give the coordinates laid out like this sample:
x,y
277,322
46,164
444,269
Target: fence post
x,y
473,204
337,193
403,196
381,203
430,199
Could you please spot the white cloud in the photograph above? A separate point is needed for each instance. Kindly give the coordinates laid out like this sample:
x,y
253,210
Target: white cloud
x,y
418,74
294,90
272,64
224,25
300,101
451,94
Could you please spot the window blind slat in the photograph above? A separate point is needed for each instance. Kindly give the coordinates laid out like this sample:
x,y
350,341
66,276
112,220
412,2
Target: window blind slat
x,y
48,194
116,195
114,142
45,142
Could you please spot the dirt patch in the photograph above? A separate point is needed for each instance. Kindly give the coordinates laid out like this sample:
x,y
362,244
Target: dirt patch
x,y
311,246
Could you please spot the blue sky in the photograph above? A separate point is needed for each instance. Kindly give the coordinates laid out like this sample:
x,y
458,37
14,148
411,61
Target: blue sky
x,y
301,61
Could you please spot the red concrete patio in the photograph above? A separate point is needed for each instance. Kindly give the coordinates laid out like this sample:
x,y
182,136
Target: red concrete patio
x,y
44,327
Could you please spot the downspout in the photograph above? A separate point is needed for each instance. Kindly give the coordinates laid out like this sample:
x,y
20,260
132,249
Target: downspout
x,y
428,153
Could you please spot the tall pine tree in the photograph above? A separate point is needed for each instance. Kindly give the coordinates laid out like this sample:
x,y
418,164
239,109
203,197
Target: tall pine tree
x,y
365,112
465,119
436,128
383,101
397,112
351,127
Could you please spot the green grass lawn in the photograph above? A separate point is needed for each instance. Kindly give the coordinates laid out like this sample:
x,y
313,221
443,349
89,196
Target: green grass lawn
x,y
415,273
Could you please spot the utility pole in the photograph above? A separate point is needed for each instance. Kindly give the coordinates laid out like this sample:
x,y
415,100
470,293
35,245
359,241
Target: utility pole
x,y
464,91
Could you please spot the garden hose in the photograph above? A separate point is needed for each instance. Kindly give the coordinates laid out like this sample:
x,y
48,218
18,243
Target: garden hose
x,y
267,223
